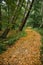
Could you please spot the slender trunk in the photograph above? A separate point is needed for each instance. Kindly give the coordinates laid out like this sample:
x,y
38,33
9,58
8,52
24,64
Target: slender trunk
x,y
17,13
22,24
8,15
4,34
24,20
14,15
24,12
0,17
41,25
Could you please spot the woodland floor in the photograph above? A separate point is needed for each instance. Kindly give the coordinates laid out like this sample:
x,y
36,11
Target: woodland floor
x,y
26,51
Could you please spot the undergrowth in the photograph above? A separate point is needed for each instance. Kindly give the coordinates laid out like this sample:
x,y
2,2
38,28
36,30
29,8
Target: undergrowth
x,y
40,30
5,43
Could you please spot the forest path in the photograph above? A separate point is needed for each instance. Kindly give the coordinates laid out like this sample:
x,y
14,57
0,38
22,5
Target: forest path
x,y
26,51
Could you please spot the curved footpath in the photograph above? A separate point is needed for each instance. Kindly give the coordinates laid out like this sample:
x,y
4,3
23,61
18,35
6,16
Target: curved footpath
x,y
26,51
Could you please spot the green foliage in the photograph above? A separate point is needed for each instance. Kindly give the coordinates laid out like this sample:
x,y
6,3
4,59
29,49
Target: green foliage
x,y
35,18
40,30
2,47
10,41
17,9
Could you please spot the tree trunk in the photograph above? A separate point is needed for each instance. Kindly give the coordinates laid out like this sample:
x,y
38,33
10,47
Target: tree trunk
x,y
24,20
4,34
41,25
17,14
0,17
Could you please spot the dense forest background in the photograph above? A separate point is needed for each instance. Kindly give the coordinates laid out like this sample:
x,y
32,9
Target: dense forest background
x,y
17,15
12,13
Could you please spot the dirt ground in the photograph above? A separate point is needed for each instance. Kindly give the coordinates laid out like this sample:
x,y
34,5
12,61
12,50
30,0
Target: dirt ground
x,y
25,51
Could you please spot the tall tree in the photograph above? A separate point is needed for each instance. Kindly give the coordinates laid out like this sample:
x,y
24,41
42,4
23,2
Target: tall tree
x,y
0,16
4,34
27,15
20,4
35,15
41,25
